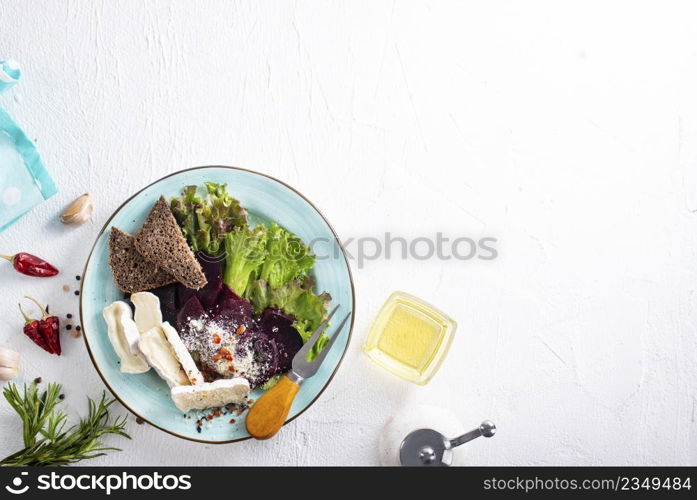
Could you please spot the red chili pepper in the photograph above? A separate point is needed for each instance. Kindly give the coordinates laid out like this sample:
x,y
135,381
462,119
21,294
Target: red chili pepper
x,y
31,265
31,330
48,328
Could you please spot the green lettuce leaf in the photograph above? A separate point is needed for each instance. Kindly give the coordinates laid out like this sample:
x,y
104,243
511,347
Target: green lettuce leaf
x,y
245,250
271,382
184,210
287,257
259,294
205,221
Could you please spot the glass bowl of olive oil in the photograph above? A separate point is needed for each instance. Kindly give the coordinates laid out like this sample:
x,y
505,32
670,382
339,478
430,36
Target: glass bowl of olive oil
x,y
410,338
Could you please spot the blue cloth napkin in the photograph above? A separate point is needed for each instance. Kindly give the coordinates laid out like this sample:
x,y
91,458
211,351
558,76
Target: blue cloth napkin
x,y
24,181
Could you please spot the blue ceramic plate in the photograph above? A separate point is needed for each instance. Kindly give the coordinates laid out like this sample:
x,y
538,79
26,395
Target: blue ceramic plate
x,y
266,199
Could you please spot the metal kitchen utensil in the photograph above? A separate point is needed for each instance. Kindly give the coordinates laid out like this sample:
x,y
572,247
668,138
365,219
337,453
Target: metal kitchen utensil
x,y
427,447
269,413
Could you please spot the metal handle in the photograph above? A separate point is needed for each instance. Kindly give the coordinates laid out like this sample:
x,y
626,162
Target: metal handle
x,y
486,429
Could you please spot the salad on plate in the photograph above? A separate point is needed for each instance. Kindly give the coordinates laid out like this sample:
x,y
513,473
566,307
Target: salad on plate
x,y
214,305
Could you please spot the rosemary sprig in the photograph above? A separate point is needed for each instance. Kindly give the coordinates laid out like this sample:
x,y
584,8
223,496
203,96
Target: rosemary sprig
x,y
47,441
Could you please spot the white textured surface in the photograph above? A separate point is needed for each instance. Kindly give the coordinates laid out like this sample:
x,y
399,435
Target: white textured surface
x,y
568,132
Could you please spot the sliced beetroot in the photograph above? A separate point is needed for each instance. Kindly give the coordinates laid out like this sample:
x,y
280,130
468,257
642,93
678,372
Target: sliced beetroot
x,y
227,295
192,309
271,337
265,356
184,294
230,305
168,296
279,328
232,323
168,301
213,269
272,315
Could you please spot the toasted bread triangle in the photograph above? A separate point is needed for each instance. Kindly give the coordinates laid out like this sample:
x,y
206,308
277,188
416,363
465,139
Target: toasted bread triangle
x,y
161,241
133,272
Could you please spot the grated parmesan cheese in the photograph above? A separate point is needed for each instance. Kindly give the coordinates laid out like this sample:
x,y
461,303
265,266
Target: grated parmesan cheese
x,y
214,340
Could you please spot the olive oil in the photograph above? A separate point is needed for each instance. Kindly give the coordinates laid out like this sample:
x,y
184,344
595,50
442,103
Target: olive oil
x,y
410,338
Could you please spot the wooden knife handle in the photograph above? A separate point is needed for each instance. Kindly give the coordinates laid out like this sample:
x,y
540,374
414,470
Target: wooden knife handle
x,y
269,413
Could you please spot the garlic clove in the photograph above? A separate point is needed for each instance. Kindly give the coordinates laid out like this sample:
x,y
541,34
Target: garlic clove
x,y
7,373
8,358
79,211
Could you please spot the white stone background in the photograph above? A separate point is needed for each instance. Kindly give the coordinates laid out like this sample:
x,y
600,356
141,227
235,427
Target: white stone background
x,y
567,130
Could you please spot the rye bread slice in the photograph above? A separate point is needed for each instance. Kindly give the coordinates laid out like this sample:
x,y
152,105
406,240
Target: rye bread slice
x,y
133,272
161,241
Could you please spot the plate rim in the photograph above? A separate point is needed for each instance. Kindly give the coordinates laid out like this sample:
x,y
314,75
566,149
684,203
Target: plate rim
x,y
254,172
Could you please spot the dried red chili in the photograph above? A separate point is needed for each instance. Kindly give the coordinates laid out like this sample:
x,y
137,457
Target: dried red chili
x,y
31,265
48,327
31,330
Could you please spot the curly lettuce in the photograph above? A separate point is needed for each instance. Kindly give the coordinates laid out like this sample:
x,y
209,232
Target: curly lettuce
x,y
245,251
205,221
287,257
267,265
